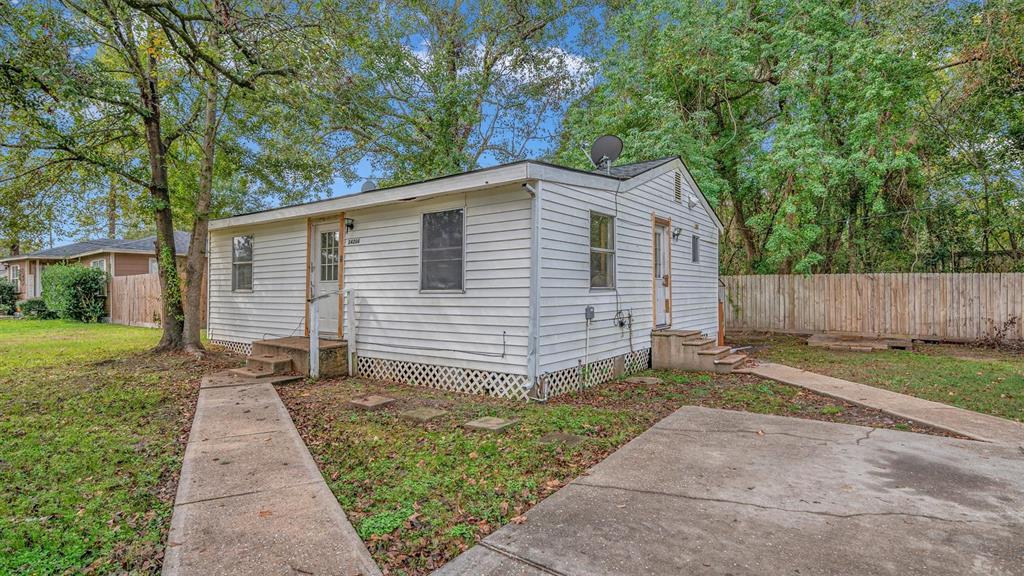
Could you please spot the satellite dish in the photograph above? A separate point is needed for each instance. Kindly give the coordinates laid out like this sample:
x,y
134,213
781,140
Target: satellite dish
x,y
605,150
368,185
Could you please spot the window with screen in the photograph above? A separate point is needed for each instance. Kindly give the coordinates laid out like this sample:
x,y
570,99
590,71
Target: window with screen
x,y
602,251
241,263
441,251
695,249
329,256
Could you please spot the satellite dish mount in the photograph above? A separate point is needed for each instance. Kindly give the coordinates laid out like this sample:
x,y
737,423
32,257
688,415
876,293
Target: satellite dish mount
x,y
604,151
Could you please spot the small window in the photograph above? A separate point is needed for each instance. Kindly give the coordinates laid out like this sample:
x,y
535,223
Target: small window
x,y
153,268
241,263
695,249
16,276
100,263
329,256
602,251
441,251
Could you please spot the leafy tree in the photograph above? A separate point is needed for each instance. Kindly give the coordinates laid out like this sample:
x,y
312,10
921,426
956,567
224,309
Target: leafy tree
x,y
438,87
831,136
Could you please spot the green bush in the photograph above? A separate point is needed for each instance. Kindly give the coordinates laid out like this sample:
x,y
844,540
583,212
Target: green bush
x,y
75,292
36,308
8,296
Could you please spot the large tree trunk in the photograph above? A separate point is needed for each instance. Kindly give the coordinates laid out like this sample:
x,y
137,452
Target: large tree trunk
x,y
112,208
195,264
170,281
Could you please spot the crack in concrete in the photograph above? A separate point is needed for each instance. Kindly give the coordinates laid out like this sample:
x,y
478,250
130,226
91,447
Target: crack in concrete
x,y
794,511
866,436
758,432
250,493
512,555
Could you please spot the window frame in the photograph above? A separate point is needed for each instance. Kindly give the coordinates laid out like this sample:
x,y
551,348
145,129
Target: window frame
x,y
154,265
695,249
613,271
419,254
15,276
235,263
103,261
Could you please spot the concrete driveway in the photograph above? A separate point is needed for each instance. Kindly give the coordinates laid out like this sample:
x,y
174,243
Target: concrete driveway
x,y
719,492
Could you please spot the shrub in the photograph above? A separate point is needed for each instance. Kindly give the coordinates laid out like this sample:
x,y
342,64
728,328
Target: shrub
x,y
8,296
75,292
36,308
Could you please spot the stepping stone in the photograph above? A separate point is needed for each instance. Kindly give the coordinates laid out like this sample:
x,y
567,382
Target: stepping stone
x,y
643,380
371,402
489,424
560,438
423,415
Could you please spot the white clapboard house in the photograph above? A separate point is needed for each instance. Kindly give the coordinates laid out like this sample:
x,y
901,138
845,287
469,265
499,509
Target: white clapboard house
x,y
521,280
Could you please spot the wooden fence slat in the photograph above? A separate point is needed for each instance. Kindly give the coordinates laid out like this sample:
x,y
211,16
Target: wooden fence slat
x,y
135,301
953,307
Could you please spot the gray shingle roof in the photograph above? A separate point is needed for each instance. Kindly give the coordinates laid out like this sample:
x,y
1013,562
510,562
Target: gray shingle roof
x,y
181,241
627,171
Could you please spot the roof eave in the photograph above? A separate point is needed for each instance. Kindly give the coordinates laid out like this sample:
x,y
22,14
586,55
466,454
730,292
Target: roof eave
x,y
503,175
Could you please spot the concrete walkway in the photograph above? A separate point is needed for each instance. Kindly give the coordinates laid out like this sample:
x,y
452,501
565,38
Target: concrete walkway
x,y
716,492
942,416
251,499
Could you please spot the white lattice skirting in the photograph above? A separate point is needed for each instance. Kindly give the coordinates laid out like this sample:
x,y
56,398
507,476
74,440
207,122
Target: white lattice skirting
x,y
581,377
243,348
500,384
444,377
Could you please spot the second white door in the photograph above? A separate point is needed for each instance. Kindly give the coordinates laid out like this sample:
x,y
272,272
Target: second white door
x,y
327,266
662,274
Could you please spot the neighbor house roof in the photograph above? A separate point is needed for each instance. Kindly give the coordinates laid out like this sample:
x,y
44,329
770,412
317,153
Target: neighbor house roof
x,y
85,247
618,179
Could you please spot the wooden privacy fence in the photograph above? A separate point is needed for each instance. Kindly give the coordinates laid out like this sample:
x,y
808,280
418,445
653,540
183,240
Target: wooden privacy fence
x,y
135,300
949,307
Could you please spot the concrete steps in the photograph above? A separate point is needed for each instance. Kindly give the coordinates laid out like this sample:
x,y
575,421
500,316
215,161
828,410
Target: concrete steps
x,y
263,365
729,363
690,350
333,355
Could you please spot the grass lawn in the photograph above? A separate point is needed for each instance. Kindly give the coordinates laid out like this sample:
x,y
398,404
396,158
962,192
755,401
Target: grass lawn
x,y
420,494
977,379
93,428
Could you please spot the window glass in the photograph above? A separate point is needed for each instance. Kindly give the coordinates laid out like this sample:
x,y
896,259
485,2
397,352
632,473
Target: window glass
x,y
241,263
602,251
695,249
100,263
152,266
441,251
329,256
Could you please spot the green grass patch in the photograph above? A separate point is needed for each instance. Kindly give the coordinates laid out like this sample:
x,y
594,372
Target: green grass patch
x,y
976,379
420,494
91,426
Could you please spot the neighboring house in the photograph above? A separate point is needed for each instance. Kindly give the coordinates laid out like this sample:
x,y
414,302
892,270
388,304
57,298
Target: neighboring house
x,y
116,257
480,281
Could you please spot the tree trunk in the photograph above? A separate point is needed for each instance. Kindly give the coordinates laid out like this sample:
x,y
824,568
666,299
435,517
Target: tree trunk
x,y
170,281
112,208
195,264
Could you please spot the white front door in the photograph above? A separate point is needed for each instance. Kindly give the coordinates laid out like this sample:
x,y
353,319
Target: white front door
x,y
327,267
662,275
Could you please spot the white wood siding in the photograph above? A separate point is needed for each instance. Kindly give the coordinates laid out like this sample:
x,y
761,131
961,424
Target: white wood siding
x,y
276,305
565,269
397,321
